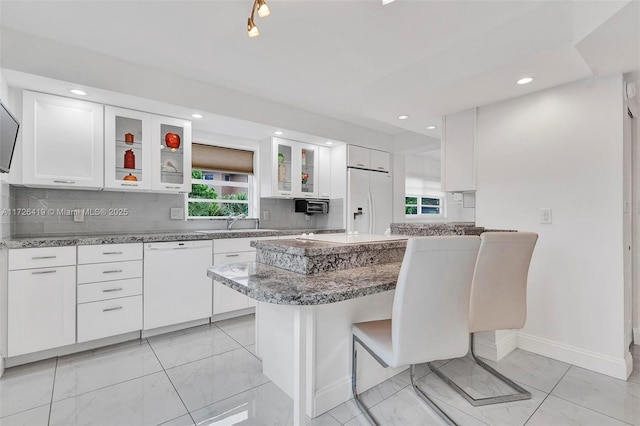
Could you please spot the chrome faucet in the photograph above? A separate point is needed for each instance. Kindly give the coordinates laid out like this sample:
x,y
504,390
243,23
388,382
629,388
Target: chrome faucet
x,y
233,219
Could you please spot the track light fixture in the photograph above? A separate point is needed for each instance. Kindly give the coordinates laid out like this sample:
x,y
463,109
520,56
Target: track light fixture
x,y
263,12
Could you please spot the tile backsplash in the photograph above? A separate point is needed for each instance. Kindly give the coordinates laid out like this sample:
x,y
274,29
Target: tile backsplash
x,y
145,213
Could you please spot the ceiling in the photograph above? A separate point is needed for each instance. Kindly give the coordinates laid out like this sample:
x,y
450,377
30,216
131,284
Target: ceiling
x,y
356,61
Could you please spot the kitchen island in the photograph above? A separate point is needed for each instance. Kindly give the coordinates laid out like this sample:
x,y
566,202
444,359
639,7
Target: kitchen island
x,y
303,322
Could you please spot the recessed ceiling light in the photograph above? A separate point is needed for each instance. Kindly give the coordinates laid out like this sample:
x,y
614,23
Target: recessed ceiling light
x,y
78,92
329,143
278,133
431,127
196,115
403,117
525,80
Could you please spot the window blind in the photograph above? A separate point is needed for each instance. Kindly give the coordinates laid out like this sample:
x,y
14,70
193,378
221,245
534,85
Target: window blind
x,y
216,158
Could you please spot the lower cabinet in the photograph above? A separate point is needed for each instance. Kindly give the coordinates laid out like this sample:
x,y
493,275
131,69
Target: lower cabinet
x,y
109,318
226,299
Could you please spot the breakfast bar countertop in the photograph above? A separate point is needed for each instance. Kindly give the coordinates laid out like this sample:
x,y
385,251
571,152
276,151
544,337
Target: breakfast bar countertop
x,y
278,286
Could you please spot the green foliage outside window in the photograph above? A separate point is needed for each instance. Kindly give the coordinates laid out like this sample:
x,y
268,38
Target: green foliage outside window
x,y
207,192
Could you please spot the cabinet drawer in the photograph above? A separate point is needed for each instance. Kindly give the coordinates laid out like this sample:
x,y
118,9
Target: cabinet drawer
x,y
109,271
28,258
380,161
109,253
231,245
358,156
109,290
109,318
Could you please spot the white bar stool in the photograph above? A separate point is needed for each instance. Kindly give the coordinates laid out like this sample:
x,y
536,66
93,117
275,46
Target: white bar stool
x,y
430,316
498,300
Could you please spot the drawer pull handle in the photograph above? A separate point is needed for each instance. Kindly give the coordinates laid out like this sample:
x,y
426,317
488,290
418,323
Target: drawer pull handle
x,y
381,168
63,181
361,165
128,184
44,272
113,271
172,187
112,309
111,252
43,257
233,255
112,289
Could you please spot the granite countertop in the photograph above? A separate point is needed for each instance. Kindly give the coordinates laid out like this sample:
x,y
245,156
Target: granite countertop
x,y
274,285
429,229
299,247
115,238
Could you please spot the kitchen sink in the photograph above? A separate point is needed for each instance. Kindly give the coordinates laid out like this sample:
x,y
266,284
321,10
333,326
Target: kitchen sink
x,y
226,231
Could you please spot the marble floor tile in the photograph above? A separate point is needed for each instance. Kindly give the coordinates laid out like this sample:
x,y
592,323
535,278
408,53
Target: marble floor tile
x,y
251,348
204,382
475,380
77,374
263,405
604,394
27,386
148,400
406,408
556,411
511,413
198,343
531,369
185,420
35,417
241,329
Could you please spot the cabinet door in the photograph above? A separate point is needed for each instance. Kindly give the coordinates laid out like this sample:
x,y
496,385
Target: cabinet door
x,y
171,155
324,172
380,161
41,309
284,157
127,149
458,151
307,178
359,157
226,299
62,142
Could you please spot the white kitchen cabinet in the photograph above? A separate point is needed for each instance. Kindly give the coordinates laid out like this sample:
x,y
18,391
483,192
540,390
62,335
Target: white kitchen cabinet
x,y
458,151
289,169
380,161
176,286
41,300
127,149
62,142
358,157
109,290
171,162
324,175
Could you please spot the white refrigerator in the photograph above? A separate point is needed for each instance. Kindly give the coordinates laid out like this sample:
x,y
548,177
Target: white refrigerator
x,y
369,201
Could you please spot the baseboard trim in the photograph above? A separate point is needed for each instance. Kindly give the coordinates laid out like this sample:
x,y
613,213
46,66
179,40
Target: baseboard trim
x,y
620,368
495,351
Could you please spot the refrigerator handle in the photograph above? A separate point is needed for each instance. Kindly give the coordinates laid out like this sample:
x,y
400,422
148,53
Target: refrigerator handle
x,y
371,218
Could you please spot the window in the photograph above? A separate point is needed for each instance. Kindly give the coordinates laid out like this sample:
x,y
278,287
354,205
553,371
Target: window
x,y
423,205
218,194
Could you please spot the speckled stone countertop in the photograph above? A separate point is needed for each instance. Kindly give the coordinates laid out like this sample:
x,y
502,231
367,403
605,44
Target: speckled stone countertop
x,y
113,238
318,248
274,285
430,229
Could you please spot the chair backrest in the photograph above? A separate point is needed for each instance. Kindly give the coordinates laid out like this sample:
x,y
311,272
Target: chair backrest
x,y
499,288
430,317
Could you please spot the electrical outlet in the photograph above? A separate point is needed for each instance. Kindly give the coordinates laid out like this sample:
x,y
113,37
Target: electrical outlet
x,y
545,216
177,213
266,215
307,217
78,215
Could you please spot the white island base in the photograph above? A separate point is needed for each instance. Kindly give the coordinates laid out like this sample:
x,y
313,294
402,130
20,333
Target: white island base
x,y
306,350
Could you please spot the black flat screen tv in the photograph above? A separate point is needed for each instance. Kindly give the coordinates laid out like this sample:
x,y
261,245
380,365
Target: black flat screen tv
x,y
8,134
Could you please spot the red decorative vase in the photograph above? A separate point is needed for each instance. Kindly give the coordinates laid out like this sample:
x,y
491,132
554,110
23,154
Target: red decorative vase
x,y
129,159
172,140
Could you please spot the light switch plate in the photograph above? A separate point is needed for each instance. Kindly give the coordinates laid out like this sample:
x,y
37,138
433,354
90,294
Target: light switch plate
x,y
545,216
266,215
177,213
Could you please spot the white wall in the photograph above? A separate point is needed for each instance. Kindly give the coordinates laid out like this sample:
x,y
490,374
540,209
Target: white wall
x,y
562,149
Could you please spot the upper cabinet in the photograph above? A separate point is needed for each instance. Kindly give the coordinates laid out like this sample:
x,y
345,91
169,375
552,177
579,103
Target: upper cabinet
x,y
324,172
68,143
458,151
127,149
289,169
62,142
369,159
171,155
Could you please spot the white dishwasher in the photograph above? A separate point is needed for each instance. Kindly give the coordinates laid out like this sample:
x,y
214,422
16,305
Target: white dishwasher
x,y
176,286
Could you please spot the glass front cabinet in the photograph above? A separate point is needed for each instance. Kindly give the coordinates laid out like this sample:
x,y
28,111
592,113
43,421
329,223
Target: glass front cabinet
x,y
290,170
146,152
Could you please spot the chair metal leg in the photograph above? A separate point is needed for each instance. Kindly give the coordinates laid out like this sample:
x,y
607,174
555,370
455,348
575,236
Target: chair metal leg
x,y
360,404
520,394
428,400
